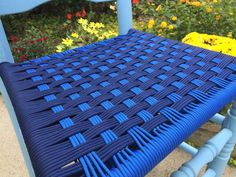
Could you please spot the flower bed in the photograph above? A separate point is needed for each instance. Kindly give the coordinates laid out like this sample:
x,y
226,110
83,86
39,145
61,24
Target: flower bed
x,y
85,32
37,34
175,19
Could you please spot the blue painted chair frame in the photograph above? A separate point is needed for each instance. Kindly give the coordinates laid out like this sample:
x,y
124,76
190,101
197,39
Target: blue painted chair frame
x,y
216,152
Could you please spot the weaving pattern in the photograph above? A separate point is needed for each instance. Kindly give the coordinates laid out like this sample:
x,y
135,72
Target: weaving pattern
x,y
116,107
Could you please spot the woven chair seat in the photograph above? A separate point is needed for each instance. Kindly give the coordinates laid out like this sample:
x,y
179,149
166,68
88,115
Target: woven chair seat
x,y
116,107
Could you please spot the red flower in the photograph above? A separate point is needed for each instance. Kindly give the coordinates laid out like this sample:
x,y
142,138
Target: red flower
x,y
22,57
32,41
83,12
40,39
135,1
20,48
69,16
78,14
13,38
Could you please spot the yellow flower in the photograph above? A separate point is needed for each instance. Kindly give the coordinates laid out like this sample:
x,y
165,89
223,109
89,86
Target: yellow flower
x,y
68,42
215,1
99,25
196,3
75,35
151,23
171,27
159,8
218,17
173,18
164,24
212,42
83,21
59,49
209,10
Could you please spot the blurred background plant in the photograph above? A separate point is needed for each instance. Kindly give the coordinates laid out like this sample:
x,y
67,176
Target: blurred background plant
x,y
50,23
175,19
33,44
85,33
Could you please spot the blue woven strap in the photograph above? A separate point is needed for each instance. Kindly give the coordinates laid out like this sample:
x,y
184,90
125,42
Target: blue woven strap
x,y
116,107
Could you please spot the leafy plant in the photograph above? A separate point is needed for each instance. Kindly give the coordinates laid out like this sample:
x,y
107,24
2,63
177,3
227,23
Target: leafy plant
x,y
232,162
32,45
172,19
85,33
175,19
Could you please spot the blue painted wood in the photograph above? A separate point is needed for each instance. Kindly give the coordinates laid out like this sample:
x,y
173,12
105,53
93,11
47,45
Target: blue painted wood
x,y
5,51
220,162
17,6
17,128
209,173
188,148
218,118
124,11
204,155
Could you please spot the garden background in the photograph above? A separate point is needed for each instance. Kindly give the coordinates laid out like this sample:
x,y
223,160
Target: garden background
x,y
66,24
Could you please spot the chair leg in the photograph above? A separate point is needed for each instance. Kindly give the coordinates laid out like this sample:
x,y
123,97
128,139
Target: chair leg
x,y
220,162
204,155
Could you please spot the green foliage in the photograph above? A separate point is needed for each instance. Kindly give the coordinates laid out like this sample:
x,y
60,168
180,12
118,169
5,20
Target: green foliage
x,y
33,37
50,21
58,19
232,162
